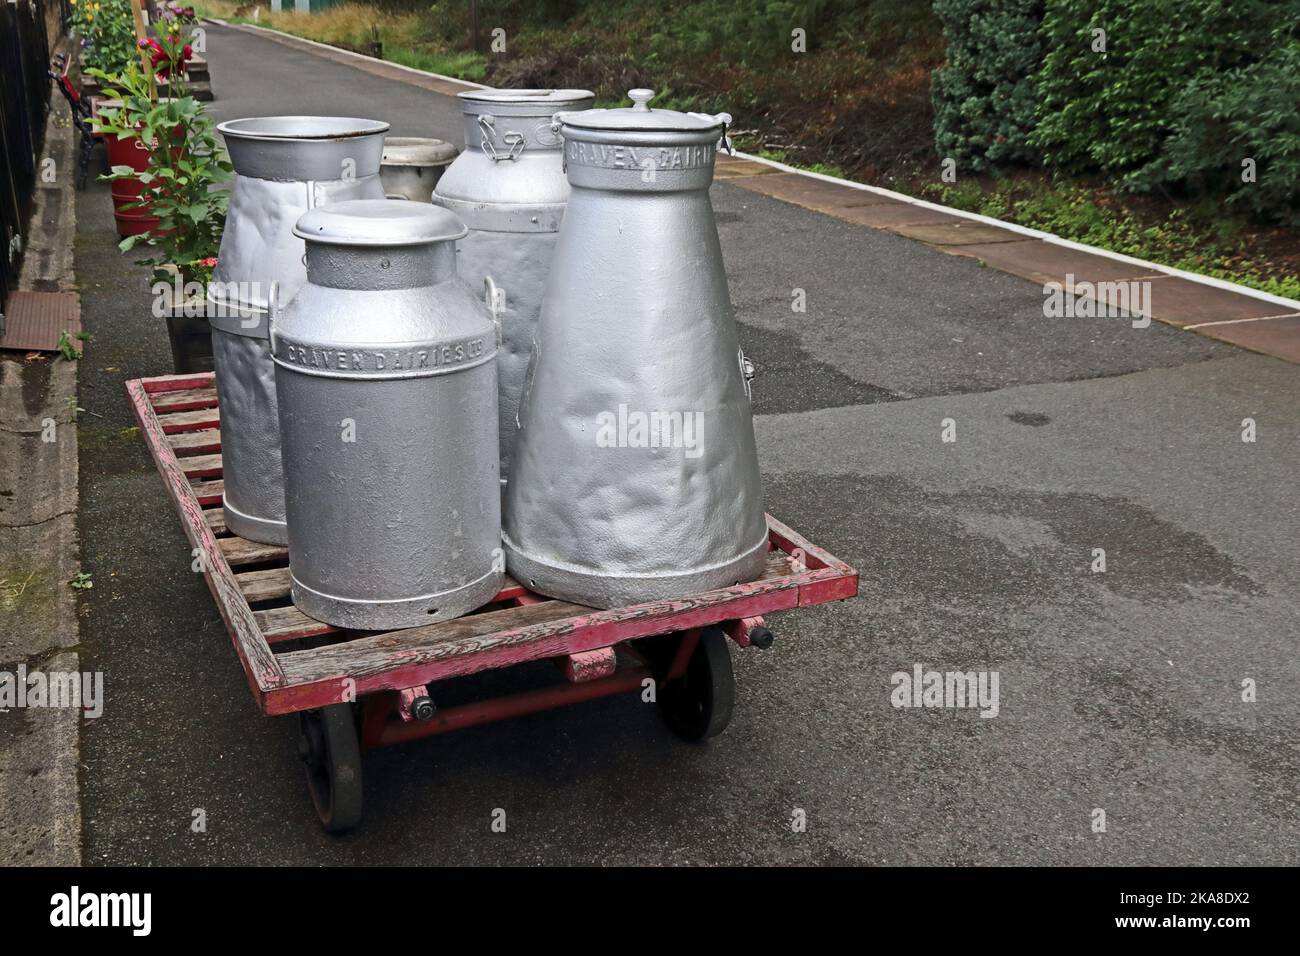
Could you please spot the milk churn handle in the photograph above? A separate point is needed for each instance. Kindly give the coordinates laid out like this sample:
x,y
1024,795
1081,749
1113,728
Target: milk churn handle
x,y
725,120
496,302
557,120
746,372
514,140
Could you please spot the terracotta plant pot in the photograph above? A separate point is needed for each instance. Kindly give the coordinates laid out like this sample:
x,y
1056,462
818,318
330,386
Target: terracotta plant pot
x,y
127,192
127,152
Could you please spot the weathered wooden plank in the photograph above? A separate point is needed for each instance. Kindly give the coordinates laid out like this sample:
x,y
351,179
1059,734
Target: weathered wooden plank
x,y
174,423
216,519
177,383
201,466
510,589
260,664
208,492
205,442
803,551
239,551
286,623
161,384
271,583
264,585
184,400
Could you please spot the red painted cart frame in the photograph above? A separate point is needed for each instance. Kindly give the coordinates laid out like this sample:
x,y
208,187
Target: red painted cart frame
x,y
320,665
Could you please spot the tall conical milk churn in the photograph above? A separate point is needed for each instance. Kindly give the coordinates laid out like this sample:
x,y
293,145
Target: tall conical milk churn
x,y
284,166
385,364
509,188
635,475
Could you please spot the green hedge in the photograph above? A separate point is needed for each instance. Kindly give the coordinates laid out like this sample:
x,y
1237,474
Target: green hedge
x,y
1220,121
986,94
1182,93
1111,111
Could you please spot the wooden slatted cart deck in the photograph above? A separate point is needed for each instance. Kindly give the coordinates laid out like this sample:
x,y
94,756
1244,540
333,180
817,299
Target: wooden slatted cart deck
x,y
296,664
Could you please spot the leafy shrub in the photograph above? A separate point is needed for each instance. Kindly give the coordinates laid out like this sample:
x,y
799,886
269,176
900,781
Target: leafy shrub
x,y
1221,120
1111,110
986,92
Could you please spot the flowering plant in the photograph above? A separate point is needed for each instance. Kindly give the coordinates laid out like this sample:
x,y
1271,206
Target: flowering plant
x,y
106,31
185,162
176,11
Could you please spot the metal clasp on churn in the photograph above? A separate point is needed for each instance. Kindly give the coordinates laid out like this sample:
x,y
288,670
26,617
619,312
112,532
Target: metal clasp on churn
x,y
514,140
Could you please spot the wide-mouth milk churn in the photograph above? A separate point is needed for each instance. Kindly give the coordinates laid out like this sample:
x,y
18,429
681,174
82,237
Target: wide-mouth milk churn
x,y
284,166
635,475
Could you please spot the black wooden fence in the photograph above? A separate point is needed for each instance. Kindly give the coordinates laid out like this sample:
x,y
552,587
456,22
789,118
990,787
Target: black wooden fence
x,y
24,97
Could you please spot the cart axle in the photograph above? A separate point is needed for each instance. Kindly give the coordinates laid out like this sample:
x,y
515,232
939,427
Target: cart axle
x,y
379,730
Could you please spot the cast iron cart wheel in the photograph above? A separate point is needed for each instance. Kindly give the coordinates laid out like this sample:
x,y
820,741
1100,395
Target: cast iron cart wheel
x,y
699,704
330,749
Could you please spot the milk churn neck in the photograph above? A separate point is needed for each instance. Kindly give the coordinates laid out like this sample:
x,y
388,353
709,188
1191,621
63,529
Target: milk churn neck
x,y
379,244
523,102
640,149
506,125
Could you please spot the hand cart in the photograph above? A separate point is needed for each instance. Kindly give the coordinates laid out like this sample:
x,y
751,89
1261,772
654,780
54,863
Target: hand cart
x,y
358,690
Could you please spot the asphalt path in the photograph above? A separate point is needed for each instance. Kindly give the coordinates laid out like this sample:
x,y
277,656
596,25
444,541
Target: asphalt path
x,y
1119,691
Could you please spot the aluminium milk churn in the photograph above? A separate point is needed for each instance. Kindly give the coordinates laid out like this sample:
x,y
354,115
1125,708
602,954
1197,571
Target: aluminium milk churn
x,y
509,188
385,365
284,165
412,166
635,476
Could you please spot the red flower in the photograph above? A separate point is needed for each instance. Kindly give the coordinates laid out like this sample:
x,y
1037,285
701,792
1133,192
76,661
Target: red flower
x,y
159,59
208,262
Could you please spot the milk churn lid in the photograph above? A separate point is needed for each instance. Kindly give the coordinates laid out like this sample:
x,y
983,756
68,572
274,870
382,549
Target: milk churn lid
x,y
379,222
640,117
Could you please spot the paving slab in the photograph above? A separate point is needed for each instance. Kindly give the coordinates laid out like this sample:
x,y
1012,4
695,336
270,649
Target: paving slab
x,y
818,194
1044,262
963,232
1279,337
892,214
1181,302
732,167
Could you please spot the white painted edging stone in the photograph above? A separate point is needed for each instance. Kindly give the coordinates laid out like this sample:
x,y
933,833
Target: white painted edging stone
x,y
1290,305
